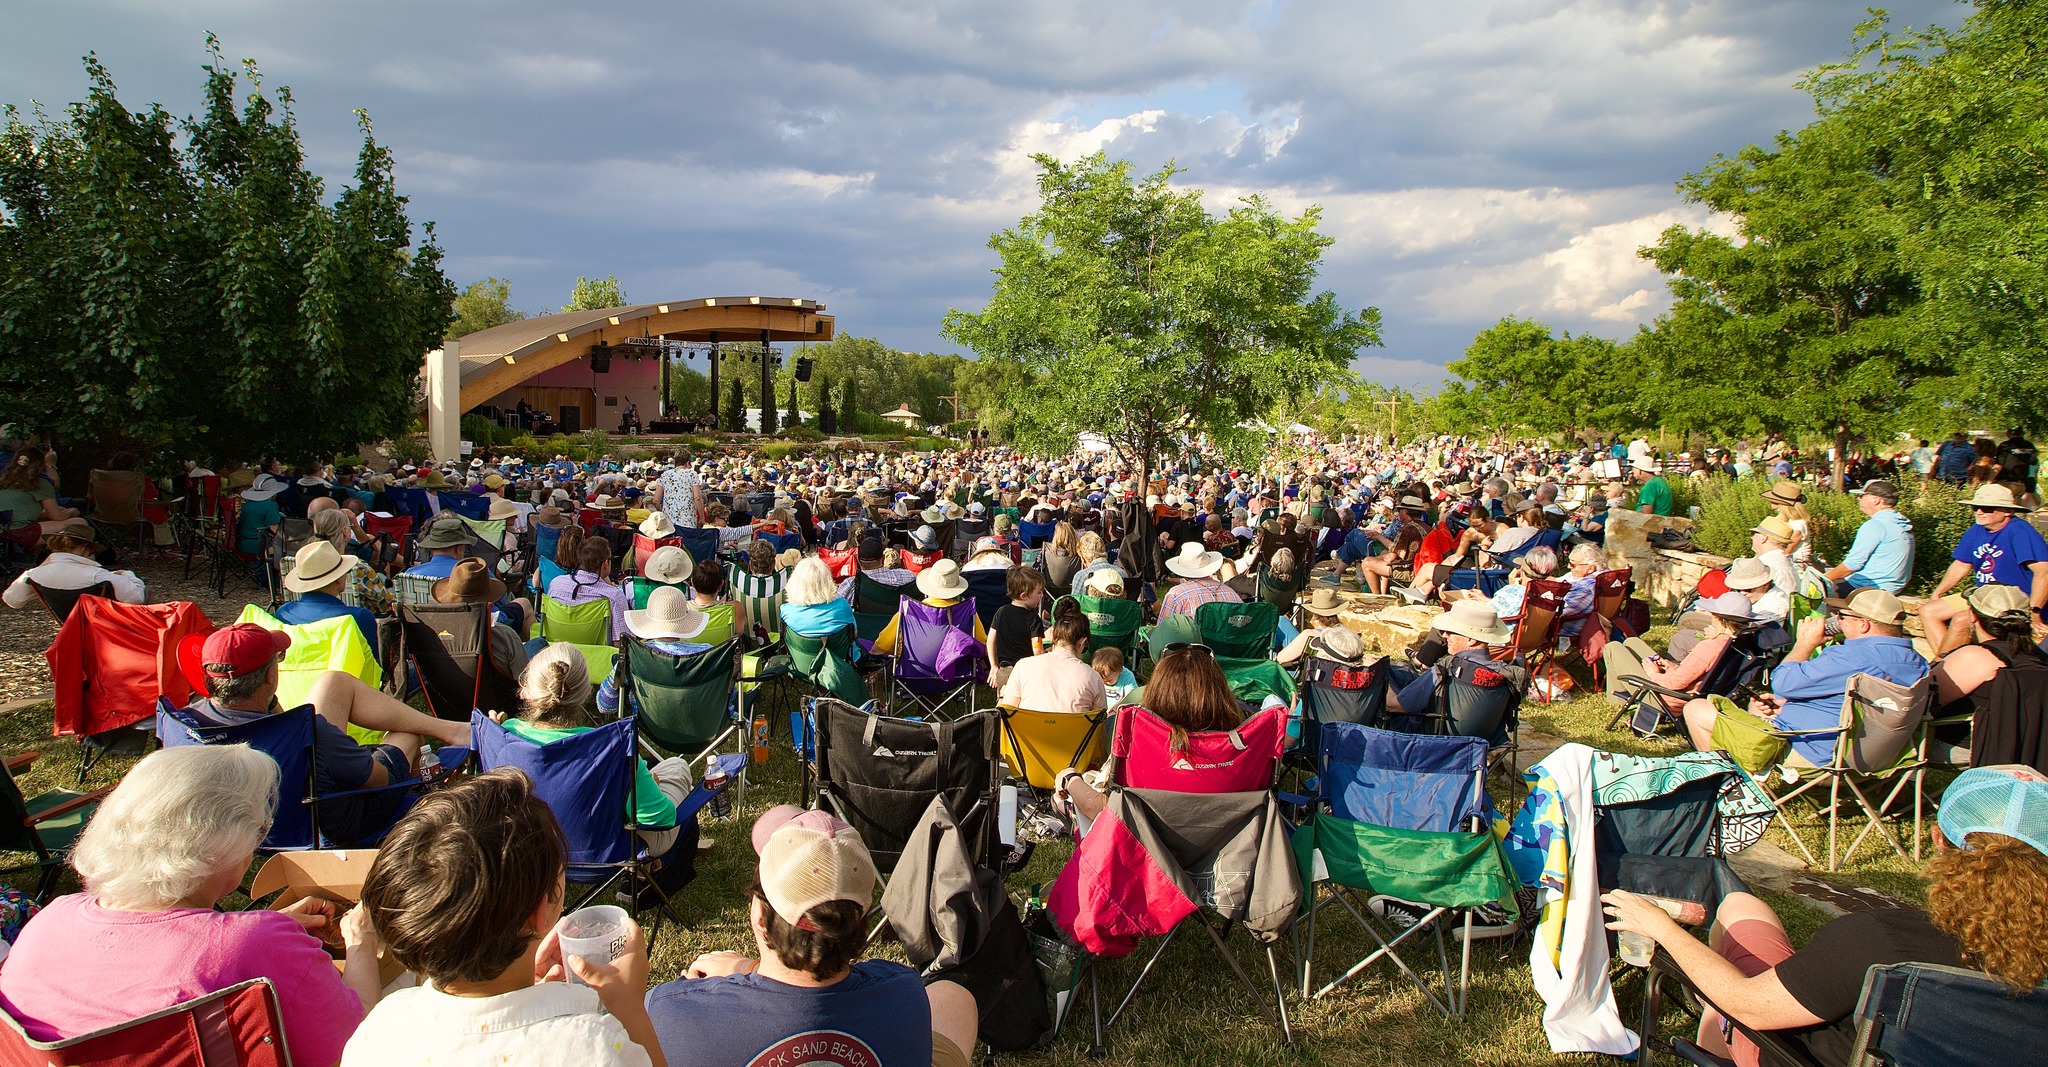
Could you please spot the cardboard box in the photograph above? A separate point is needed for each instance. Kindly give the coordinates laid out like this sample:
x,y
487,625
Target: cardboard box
x,y
332,875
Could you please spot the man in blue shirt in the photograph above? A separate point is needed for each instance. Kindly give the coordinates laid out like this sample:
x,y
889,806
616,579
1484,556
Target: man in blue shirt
x,y
1881,556
808,998
1808,687
1952,460
2001,549
319,573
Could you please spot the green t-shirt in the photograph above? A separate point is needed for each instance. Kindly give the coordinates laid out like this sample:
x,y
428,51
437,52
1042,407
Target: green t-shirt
x,y
25,504
1655,495
651,807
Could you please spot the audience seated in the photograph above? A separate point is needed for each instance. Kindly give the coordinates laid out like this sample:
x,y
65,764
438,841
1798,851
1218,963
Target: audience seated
x,y
175,837
470,583
71,565
942,587
319,575
1714,625
1094,557
1189,693
808,988
709,596
591,580
1471,630
1987,908
879,564
1881,556
29,497
1999,549
1199,585
2007,724
467,893
1056,679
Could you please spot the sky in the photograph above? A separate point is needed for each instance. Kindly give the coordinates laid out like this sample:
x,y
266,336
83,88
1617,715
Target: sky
x,y
1473,159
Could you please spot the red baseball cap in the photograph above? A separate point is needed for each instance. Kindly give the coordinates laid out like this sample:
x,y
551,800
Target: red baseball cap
x,y
233,651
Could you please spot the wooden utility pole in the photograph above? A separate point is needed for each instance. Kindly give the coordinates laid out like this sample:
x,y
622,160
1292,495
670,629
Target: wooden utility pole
x,y
1393,405
955,398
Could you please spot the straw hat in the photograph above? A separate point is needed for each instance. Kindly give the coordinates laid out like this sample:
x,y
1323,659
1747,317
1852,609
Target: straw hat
x,y
669,614
669,565
1339,643
1475,619
1775,528
1324,603
1993,495
657,526
942,581
550,516
317,566
502,508
433,479
1784,491
1195,561
932,515
469,583
608,502
1748,573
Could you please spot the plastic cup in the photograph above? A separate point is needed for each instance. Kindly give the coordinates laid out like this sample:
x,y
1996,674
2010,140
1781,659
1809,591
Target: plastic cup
x,y
1636,949
593,935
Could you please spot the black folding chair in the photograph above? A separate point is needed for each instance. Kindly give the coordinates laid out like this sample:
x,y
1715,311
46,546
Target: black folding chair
x,y
448,648
59,602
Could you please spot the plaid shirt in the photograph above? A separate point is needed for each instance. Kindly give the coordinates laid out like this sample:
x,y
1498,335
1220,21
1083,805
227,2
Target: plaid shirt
x,y
1192,593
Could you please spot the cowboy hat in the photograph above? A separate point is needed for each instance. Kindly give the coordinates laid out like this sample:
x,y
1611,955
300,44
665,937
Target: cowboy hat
x,y
433,479
446,530
1195,561
1748,573
669,614
1474,619
317,566
1323,603
608,502
1994,496
469,583
502,508
1784,491
657,526
669,565
942,581
550,516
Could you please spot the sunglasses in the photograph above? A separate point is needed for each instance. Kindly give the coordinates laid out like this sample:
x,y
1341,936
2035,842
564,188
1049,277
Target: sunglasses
x,y
1190,646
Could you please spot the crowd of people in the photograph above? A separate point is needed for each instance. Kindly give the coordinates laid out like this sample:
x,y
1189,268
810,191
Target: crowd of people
x,y
468,885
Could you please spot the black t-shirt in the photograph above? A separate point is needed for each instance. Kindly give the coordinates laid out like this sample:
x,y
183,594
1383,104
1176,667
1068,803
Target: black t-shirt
x,y
1013,627
1826,976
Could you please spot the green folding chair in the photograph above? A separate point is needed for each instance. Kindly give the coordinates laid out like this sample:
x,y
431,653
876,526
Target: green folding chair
x,y
587,623
687,706
827,663
44,826
1112,623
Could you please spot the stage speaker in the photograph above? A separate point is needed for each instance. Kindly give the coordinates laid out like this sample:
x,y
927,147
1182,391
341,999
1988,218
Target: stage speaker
x,y
600,359
572,419
803,369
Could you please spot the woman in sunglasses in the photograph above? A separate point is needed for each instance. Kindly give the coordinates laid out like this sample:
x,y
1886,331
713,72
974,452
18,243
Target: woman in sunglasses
x,y
1188,692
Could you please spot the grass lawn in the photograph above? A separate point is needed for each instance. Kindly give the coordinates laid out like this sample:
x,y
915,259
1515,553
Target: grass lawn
x,y
1192,1010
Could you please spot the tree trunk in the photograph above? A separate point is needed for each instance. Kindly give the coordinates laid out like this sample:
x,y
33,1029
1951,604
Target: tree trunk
x,y
1841,464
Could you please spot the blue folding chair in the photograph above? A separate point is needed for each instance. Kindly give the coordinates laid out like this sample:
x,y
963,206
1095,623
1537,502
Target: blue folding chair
x,y
701,544
990,590
587,779
1035,534
287,738
411,502
783,542
467,505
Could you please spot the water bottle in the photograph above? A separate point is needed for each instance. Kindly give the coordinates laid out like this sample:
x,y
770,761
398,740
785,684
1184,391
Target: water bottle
x,y
761,738
714,780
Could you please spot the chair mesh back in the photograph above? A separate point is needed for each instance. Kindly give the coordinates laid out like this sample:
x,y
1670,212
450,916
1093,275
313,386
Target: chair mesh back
x,y
1887,717
584,623
586,779
1479,699
1238,631
1401,781
1112,622
702,545
59,602
1341,692
684,701
880,774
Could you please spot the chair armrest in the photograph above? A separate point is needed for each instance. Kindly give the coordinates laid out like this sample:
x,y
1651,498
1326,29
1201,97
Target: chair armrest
x,y
83,800
1642,685
18,763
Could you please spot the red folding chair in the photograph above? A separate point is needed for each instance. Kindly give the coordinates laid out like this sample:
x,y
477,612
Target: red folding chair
x,y
239,1026
1534,642
841,562
645,546
1247,759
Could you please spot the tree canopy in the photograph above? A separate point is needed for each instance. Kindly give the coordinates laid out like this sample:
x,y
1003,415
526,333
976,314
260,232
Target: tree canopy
x,y
1129,310
203,295
484,304
591,294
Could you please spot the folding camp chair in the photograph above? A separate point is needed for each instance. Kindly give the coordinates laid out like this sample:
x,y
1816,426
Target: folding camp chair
x,y
1876,740
880,774
1185,829
989,590
783,542
1038,745
116,499
1112,623
915,562
45,825
645,546
1534,641
467,505
687,705
333,644
1405,817
759,597
587,622
701,544
1735,675
1474,698
937,659
875,603
966,532
639,589
394,533
1241,636
842,562
1486,581
59,602
239,1026
448,648
1340,692
587,779
828,664
287,738
1035,534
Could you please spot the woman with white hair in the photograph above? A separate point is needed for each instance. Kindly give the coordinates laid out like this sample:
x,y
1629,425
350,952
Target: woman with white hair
x,y
175,837
811,604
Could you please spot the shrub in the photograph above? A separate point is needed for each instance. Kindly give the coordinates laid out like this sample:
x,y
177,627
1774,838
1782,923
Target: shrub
x,y
412,448
802,433
1730,509
778,451
479,429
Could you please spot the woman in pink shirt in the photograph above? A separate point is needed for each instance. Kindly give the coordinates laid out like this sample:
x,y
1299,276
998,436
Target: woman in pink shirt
x,y
1058,679
174,838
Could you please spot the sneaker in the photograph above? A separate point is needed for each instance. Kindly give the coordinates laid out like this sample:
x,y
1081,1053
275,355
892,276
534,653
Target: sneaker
x,y
1399,914
1488,922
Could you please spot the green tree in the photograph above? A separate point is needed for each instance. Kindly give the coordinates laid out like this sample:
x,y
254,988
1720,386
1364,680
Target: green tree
x,y
985,386
484,304
689,390
792,416
735,413
203,295
849,405
821,402
1133,312
592,294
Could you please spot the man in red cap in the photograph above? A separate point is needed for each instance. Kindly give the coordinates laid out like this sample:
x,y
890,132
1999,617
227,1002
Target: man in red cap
x,y
240,663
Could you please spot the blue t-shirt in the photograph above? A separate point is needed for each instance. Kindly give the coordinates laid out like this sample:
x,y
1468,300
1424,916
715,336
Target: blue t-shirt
x,y
1813,688
1883,550
2003,557
877,1016
313,607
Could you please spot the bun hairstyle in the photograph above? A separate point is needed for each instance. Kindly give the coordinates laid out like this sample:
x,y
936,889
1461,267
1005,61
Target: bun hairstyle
x,y
1069,625
555,687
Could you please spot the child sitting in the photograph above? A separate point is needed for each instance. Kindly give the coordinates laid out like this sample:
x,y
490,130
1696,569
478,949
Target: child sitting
x,y
466,893
1117,679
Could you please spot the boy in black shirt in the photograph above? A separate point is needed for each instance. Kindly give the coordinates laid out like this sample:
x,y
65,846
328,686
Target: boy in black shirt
x,y
1014,629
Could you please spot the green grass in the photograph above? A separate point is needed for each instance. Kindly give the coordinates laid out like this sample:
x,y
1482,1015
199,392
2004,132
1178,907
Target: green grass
x,y
1192,1010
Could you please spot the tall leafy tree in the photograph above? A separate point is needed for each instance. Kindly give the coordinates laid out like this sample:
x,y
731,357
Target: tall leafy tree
x,y
821,397
202,296
849,405
735,413
484,304
1135,313
591,294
